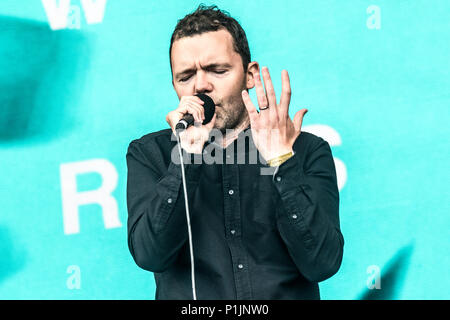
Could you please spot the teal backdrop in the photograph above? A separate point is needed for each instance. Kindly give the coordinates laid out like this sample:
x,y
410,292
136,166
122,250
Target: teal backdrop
x,y
80,79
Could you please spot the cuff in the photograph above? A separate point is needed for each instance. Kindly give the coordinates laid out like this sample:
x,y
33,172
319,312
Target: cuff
x,y
288,175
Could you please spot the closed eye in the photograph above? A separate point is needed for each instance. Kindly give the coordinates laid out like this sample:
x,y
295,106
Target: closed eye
x,y
215,71
185,79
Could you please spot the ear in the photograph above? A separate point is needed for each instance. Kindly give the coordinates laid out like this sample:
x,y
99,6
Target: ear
x,y
252,69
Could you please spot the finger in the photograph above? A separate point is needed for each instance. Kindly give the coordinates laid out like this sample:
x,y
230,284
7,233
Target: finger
x,y
196,110
190,100
197,99
285,99
270,92
190,109
251,109
170,119
200,102
260,93
200,108
298,119
273,110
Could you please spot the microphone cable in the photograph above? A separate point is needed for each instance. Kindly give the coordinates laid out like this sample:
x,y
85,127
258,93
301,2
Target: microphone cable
x,y
191,249
209,109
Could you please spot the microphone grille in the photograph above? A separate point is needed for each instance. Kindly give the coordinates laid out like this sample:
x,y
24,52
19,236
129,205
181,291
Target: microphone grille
x,y
209,106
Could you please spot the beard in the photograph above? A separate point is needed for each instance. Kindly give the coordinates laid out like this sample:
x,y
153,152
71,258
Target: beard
x,y
230,112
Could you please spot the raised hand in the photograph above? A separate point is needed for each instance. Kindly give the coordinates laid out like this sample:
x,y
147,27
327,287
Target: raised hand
x,y
194,137
273,131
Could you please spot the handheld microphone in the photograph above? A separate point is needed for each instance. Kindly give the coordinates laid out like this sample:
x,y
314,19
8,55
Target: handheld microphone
x,y
188,119
183,124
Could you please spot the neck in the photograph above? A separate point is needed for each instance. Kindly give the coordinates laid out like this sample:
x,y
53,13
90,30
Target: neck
x,y
232,135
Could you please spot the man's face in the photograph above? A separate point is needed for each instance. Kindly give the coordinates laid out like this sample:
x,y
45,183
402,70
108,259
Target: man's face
x,y
207,63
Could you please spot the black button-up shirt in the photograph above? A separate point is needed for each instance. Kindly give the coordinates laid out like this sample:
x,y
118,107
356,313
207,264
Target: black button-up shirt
x,y
258,232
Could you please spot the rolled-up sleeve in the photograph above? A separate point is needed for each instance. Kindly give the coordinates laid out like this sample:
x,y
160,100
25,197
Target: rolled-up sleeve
x,y
309,221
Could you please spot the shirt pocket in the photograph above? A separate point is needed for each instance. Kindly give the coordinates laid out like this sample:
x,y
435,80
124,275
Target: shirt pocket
x,y
264,200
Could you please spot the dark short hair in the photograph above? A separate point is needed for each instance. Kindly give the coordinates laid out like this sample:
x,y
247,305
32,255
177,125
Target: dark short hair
x,y
211,18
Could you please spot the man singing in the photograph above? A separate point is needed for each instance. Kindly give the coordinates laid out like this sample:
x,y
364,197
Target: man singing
x,y
255,235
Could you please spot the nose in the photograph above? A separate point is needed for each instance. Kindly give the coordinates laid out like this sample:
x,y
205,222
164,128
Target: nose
x,y
202,83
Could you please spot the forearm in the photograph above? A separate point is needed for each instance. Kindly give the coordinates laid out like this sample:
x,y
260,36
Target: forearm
x,y
157,227
314,243
309,223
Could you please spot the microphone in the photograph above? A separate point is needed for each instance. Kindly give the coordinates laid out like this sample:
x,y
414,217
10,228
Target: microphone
x,y
183,124
188,119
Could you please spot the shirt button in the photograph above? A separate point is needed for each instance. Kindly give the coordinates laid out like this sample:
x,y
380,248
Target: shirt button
x,y
278,178
169,200
230,192
233,231
294,216
240,266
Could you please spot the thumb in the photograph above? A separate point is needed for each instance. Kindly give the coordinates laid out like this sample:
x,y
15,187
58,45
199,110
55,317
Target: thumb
x,y
298,119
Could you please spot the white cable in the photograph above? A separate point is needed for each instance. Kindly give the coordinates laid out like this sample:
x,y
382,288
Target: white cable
x,y
194,295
